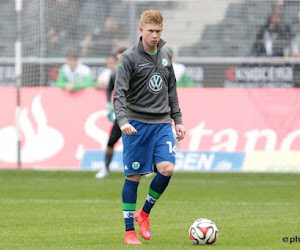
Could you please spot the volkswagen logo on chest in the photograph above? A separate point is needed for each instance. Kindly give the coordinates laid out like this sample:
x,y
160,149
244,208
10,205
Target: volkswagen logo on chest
x,y
155,83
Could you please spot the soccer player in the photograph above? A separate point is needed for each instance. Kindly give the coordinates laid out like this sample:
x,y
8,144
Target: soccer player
x,y
115,133
145,102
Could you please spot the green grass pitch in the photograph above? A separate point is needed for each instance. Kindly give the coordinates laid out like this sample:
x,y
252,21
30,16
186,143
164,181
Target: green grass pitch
x,y
73,210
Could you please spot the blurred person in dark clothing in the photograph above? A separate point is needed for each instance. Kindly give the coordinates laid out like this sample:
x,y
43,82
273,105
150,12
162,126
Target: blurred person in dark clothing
x,y
61,20
103,78
101,43
115,133
273,38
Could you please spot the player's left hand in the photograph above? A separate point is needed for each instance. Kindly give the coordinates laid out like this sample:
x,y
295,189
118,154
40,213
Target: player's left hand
x,y
180,132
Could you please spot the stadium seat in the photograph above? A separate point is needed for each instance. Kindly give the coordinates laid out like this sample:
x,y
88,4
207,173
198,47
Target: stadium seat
x,y
234,29
91,18
257,11
236,10
188,51
211,48
236,48
7,49
234,35
212,31
290,13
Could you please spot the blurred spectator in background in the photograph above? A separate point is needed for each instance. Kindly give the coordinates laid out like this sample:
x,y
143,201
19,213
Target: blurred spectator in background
x,y
115,133
182,77
273,38
92,18
101,43
121,13
74,75
104,76
61,26
296,38
279,6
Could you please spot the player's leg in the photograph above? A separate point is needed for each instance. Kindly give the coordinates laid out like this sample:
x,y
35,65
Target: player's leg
x,y
129,197
157,187
164,159
115,135
158,184
135,164
108,156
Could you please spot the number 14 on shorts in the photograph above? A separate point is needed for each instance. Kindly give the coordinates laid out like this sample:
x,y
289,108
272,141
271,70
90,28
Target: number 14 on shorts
x,y
172,149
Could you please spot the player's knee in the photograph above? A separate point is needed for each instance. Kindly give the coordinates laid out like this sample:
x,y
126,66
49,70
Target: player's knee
x,y
109,149
134,177
166,168
112,141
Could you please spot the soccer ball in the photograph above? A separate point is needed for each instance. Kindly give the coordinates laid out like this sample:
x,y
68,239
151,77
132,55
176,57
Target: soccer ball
x,y
203,232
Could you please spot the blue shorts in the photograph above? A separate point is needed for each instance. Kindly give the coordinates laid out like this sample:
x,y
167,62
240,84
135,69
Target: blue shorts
x,y
153,143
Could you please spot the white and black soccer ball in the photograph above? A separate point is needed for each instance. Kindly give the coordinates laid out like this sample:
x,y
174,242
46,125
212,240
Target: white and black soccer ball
x,y
203,232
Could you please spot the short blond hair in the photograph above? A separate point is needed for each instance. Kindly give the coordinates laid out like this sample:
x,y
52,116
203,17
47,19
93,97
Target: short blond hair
x,y
151,16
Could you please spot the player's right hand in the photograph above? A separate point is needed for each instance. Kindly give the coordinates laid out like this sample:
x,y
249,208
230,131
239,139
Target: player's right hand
x,y
128,129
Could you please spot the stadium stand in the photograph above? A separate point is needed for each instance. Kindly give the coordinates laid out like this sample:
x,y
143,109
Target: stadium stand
x,y
50,28
207,36
235,33
78,20
240,21
228,30
8,20
95,12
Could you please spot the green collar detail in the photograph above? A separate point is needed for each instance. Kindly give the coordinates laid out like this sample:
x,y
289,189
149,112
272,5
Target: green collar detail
x,y
152,54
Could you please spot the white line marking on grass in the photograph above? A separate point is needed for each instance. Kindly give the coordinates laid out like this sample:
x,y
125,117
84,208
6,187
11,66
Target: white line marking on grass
x,y
238,182
56,201
245,203
228,203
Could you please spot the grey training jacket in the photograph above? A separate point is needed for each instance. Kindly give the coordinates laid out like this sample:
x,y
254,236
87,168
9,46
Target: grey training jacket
x,y
145,88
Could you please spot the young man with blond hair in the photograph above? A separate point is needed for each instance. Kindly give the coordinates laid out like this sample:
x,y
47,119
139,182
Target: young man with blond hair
x,y
146,102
